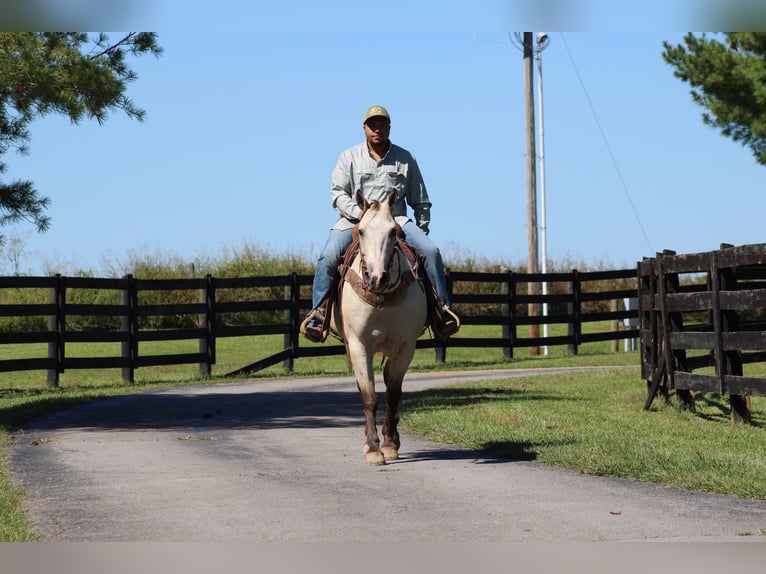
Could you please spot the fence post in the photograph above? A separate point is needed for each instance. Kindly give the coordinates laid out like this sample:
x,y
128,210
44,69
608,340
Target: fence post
x,y
653,354
533,311
630,304
56,296
508,312
292,318
206,322
731,361
575,313
128,325
647,323
656,336
673,323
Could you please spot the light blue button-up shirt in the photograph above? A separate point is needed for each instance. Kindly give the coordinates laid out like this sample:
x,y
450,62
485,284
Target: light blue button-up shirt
x,y
357,169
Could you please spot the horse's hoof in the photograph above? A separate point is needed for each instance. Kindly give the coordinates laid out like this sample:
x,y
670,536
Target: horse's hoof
x,y
375,458
390,452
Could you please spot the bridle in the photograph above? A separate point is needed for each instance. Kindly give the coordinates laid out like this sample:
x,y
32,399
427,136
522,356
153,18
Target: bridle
x,y
392,291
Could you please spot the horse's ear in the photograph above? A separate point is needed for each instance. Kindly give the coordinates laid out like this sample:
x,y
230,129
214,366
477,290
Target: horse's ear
x,y
361,201
392,197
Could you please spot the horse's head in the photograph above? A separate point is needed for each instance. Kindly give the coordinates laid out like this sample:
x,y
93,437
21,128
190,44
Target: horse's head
x,y
377,239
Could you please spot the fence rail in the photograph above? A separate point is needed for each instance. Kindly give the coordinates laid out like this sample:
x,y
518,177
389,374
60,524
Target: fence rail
x,y
133,309
713,321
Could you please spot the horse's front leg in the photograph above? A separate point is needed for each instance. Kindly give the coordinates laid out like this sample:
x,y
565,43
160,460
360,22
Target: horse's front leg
x,y
393,375
365,382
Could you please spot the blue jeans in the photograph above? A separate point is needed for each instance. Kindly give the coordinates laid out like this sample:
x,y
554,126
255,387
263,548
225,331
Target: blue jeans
x,y
339,240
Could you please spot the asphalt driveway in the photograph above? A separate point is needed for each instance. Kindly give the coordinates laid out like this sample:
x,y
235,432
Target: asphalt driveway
x,y
281,461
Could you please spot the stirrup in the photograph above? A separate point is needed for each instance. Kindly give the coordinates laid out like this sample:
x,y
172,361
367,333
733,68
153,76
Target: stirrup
x,y
446,322
315,334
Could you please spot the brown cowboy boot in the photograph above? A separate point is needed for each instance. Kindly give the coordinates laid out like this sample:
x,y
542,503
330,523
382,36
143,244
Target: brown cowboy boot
x,y
445,322
313,326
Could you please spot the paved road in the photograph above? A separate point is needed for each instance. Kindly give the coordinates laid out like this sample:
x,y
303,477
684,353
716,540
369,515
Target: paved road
x,y
281,461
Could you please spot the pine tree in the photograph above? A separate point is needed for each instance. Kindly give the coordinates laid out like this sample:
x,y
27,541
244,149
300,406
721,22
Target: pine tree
x,y
75,74
727,74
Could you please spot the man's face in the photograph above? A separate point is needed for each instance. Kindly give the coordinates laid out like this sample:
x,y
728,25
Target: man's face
x,y
376,130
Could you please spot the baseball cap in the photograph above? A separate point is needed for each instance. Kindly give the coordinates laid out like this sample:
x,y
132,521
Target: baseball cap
x,y
374,111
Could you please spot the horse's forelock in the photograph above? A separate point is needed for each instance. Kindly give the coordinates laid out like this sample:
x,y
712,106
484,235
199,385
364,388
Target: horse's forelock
x,y
373,206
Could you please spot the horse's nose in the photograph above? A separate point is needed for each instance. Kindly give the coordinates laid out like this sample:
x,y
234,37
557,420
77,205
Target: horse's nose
x,y
376,281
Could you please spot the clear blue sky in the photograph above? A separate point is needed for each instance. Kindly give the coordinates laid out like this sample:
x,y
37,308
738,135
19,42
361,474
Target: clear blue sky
x,y
244,127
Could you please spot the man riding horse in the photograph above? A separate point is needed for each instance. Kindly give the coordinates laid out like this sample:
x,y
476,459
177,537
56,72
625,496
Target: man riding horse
x,y
375,168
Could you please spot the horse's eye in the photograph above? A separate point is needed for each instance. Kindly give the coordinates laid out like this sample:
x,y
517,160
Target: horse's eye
x,y
361,233
392,233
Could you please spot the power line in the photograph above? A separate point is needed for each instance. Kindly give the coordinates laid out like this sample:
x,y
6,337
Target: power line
x,y
608,147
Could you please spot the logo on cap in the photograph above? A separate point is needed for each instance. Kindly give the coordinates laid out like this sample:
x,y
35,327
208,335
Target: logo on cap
x,y
373,111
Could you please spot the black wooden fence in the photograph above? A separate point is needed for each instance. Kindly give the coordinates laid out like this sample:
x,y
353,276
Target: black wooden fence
x,y
500,299
704,312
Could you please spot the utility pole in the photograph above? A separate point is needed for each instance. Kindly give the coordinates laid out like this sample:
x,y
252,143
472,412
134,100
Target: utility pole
x,y
542,43
533,288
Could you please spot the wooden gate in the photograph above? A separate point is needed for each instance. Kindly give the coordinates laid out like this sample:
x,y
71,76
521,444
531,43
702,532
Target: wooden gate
x,y
702,318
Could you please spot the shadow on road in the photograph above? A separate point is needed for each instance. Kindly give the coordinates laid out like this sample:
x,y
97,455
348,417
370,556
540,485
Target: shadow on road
x,y
262,410
213,411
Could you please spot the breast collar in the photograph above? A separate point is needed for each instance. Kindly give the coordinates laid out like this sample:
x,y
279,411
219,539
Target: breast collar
x,y
403,265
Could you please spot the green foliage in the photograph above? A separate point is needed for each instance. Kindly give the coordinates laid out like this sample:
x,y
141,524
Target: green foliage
x,y
728,78
251,260
522,288
23,297
69,73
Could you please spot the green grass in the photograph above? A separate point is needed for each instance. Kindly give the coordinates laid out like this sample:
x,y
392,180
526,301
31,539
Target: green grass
x,y
14,525
593,422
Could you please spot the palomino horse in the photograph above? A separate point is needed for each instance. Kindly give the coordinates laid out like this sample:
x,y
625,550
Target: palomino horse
x,y
381,308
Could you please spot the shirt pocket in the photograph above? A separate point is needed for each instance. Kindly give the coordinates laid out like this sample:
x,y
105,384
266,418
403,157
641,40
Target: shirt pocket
x,y
397,181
